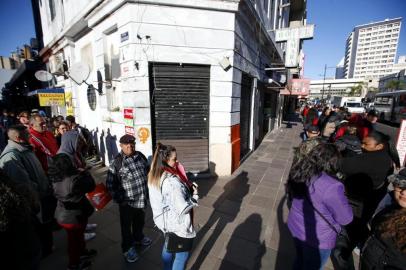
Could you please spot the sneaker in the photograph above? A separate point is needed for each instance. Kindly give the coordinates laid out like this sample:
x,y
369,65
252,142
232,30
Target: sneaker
x,y
84,265
89,236
146,241
91,227
131,255
89,254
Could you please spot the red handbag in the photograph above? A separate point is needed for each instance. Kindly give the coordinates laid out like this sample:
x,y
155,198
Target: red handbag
x,y
99,197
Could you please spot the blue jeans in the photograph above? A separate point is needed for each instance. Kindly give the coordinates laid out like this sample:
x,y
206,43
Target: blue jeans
x,y
309,258
174,261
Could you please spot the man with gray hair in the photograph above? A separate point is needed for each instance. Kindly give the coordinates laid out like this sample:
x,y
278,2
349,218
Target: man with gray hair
x,y
19,162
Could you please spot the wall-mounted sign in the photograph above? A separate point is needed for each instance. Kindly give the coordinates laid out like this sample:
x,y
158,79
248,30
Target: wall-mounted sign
x,y
293,36
130,130
129,116
50,96
124,36
297,87
401,142
143,134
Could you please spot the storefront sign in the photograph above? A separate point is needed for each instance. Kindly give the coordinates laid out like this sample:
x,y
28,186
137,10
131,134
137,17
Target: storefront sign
x,y
130,130
297,87
129,116
143,134
401,142
293,36
50,96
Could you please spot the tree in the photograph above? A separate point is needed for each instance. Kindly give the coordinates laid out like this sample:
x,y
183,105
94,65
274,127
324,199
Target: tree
x,y
356,90
394,85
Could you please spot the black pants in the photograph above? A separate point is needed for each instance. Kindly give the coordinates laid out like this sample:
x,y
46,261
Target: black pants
x,y
132,222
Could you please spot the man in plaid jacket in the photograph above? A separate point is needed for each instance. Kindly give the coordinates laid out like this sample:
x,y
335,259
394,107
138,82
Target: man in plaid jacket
x,y
127,183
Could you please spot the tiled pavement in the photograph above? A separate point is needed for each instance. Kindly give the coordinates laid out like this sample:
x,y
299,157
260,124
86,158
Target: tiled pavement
x,y
240,218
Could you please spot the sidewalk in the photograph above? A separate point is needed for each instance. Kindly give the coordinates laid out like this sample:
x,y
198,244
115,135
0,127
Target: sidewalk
x,y
240,218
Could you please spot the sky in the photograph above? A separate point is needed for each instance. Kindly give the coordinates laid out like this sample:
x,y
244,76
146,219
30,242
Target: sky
x,y
17,25
334,20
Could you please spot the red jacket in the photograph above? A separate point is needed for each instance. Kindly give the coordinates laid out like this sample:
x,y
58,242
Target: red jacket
x,y
45,146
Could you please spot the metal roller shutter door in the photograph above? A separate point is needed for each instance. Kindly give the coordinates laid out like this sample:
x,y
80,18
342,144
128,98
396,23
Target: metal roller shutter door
x,y
180,111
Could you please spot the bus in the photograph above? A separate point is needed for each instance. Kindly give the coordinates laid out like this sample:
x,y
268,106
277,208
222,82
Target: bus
x,y
391,106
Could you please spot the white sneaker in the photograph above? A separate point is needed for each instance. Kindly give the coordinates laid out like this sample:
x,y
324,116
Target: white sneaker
x,y
91,227
89,236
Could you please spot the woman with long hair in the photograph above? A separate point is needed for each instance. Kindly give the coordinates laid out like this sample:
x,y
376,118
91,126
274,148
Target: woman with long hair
x,y
172,198
386,248
70,186
319,207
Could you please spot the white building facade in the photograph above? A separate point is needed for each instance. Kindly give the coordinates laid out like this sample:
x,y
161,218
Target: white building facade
x,y
325,89
371,49
183,72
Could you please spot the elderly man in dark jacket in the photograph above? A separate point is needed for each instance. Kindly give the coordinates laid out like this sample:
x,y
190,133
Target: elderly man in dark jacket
x,y
22,166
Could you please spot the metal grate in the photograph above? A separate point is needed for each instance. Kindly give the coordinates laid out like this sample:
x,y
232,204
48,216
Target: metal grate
x,y
180,101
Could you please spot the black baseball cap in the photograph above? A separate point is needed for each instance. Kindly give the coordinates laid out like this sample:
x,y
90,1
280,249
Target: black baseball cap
x,y
127,139
312,128
373,113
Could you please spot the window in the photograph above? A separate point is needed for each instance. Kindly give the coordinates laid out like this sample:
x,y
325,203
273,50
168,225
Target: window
x,y
112,66
52,9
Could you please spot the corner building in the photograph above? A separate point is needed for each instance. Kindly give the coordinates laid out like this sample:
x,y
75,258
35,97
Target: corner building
x,y
182,72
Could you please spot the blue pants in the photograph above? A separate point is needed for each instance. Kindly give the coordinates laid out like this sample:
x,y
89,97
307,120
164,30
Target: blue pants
x,y
309,258
174,261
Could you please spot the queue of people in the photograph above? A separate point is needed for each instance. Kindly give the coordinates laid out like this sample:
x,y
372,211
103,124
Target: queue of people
x,y
54,180
345,193
44,176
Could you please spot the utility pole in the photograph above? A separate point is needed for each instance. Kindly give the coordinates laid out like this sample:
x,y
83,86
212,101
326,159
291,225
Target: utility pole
x,y
324,78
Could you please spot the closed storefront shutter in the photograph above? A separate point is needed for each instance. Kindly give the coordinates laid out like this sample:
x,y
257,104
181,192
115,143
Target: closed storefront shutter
x,y
180,111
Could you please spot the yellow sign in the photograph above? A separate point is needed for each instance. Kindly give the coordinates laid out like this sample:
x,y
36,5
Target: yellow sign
x,y
51,99
69,105
143,134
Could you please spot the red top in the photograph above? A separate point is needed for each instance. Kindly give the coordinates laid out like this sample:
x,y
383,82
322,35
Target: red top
x,y
45,146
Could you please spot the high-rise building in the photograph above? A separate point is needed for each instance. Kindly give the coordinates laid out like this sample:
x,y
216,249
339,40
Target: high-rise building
x,y
340,70
371,49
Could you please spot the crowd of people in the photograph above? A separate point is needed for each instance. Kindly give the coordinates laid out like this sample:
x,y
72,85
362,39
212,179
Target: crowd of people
x,y
44,179
347,192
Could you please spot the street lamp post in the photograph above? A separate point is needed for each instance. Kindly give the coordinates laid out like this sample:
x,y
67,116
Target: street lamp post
x,y
324,79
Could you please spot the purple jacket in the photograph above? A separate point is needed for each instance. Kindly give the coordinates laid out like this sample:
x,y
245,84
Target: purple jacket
x,y
327,196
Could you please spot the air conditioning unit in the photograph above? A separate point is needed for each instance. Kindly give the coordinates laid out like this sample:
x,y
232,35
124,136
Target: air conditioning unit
x,y
56,64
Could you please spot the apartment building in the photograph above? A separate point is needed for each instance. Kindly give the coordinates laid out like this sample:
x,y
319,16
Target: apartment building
x,y
371,49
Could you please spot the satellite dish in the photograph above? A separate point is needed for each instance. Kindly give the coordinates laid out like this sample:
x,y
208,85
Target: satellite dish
x,y
79,72
43,76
